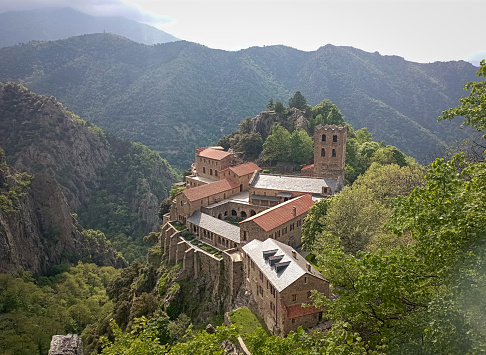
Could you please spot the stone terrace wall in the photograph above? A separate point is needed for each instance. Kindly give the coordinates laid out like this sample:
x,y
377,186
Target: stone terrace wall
x,y
217,278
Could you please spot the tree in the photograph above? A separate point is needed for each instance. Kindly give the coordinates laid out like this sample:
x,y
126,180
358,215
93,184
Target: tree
x,y
301,147
423,297
298,101
270,105
277,145
250,145
279,107
473,107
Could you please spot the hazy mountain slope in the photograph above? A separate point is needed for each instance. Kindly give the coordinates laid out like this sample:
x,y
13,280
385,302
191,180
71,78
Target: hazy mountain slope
x,y
179,95
58,23
122,182
37,230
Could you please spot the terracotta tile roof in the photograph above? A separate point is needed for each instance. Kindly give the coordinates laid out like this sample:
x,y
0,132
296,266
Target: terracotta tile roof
x,y
308,167
282,213
197,193
243,169
296,310
212,153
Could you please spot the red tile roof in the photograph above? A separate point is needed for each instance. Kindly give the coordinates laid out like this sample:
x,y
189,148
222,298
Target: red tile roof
x,y
282,213
197,193
212,153
296,310
308,167
243,169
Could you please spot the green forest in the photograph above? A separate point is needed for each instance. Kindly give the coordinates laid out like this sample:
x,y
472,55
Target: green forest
x,y
403,246
175,96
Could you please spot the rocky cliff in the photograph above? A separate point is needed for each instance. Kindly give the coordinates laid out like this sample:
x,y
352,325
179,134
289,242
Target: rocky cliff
x,y
37,230
115,185
39,135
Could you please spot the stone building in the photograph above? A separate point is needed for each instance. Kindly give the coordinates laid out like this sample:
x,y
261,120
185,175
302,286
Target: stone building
x,y
191,200
281,280
259,253
282,222
214,231
329,153
209,162
270,190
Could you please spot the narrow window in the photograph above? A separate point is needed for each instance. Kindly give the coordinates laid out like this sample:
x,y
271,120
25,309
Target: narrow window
x,y
323,153
334,138
204,170
294,297
323,137
211,171
334,153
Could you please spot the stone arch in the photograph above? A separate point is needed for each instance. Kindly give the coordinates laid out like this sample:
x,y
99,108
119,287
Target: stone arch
x,y
252,212
234,213
220,216
243,214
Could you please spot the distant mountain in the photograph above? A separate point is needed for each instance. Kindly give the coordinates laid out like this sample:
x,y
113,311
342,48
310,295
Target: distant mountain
x,y
58,23
113,185
176,96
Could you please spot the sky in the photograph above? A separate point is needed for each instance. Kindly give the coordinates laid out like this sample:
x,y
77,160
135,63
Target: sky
x,y
418,30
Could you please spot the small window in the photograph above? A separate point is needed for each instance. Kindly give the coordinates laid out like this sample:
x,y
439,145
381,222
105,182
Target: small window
x,y
334,153
323,152
294,297
305,279
323,137
215,172
210,171
334,138
204,170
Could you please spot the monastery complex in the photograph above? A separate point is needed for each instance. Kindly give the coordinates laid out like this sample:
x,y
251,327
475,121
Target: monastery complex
x,y
257,256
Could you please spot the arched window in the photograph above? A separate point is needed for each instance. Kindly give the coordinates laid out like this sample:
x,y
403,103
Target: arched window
x,y
323,152
334,153
334,138
323,137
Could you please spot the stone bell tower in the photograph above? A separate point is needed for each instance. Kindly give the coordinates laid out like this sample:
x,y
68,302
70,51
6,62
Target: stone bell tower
x,y
330,151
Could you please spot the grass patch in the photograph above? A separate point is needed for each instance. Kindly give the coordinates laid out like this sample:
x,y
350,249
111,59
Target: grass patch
x,y
248,322
179,226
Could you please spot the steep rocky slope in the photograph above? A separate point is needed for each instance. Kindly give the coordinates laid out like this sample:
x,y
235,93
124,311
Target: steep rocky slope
x,y
37,230
122,182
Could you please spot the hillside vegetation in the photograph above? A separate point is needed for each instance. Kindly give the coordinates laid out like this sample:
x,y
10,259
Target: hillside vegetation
x,y
114,185
175,96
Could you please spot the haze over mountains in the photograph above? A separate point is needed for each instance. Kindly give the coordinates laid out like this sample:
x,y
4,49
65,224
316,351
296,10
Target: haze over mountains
x,y
50,24
176,96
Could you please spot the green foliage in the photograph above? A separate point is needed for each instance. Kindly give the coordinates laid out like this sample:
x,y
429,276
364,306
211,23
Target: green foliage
x,y
12,185
298,101
31,313
357,215
325,113
301,147
423,296
473,107
276,146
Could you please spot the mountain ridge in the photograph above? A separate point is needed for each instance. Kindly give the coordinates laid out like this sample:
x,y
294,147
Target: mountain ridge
x,y
179,95
59,23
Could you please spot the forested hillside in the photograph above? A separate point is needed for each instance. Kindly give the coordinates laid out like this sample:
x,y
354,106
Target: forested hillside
x,y
114,185
175,96
58,23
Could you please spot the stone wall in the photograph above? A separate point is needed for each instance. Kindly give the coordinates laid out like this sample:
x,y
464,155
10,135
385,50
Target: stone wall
x,y
219,279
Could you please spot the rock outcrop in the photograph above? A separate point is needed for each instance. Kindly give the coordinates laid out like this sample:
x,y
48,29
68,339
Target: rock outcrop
x,y
40,136
70,344
265,120
38,231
